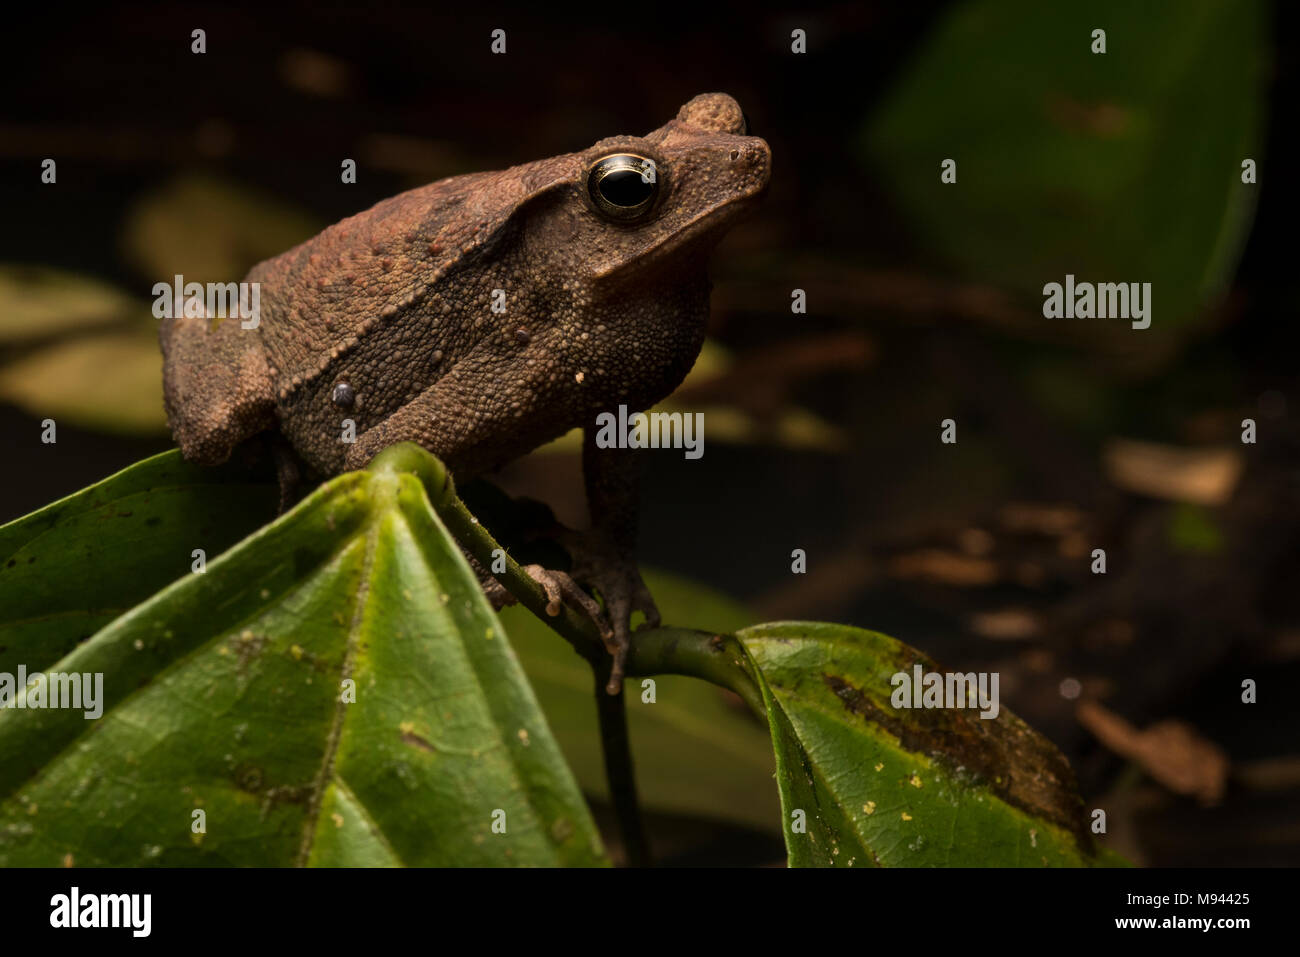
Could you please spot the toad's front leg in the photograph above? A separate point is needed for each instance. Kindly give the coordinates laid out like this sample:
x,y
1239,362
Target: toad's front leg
x,y
604,557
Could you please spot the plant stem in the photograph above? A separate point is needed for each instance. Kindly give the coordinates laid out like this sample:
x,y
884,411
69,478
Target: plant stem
x,y
581,633
619,771
717,659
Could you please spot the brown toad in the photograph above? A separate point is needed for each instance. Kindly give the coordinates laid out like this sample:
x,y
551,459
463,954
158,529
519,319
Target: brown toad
x,y
483,315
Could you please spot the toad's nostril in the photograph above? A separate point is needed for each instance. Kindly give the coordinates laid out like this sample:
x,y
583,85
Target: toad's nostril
x,y
735,155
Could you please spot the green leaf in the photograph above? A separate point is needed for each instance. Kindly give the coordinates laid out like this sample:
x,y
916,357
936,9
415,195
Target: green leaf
x,y
885,786
72,567
221,694
1075,162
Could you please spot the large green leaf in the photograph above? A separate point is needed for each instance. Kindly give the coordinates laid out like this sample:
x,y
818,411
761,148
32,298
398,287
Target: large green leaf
x,y
1123,166
885,786
221,694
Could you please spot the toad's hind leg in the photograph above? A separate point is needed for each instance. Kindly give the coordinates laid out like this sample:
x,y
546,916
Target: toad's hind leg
x,y
216,384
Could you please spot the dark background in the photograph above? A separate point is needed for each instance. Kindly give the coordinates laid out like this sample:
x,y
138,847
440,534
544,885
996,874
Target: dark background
x,y
930,543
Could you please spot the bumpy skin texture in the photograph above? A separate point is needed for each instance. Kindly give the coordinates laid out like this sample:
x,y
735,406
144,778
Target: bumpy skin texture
x,y
396,302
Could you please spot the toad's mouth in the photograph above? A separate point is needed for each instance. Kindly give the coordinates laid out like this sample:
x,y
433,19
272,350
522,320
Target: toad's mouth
x,y
693,237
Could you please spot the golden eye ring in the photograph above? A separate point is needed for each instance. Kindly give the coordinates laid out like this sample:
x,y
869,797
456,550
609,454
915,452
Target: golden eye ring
x,y
623,187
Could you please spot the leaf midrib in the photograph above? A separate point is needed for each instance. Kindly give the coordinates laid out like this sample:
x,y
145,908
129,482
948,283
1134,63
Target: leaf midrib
x,y
340,706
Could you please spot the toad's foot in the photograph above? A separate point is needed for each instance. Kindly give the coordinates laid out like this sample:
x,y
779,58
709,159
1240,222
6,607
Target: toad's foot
x,y
560,590
599,565
619,584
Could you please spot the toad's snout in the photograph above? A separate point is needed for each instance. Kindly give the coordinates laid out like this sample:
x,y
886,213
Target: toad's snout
x,y
751,163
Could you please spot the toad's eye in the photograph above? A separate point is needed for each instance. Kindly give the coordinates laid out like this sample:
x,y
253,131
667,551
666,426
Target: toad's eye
x,y
623,187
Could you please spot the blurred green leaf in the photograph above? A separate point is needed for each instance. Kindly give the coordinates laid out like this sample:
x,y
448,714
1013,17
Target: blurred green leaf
x,y
1120,167
1071,388
1192,529
209,230
37,302
110,381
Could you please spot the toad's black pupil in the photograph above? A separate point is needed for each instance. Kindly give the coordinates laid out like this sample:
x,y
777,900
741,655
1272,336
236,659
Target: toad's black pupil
x,y
625,187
